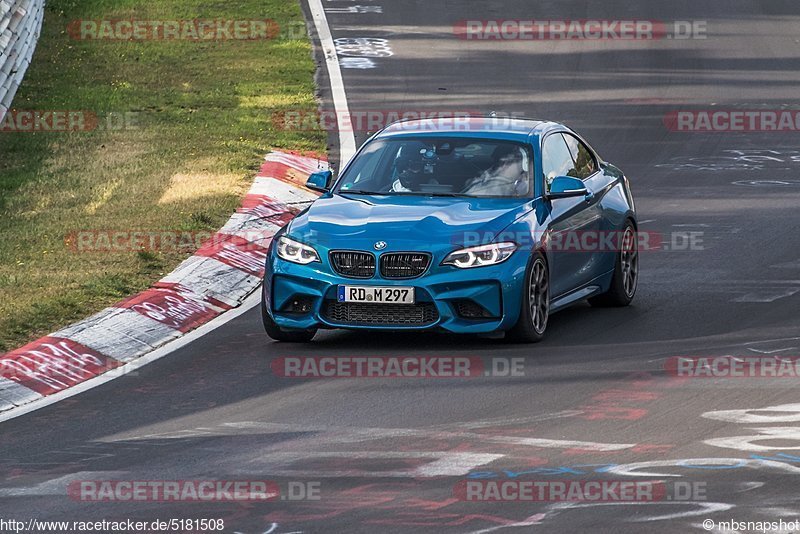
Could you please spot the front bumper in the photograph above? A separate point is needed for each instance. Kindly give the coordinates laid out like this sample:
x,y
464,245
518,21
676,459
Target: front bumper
x,y
478,300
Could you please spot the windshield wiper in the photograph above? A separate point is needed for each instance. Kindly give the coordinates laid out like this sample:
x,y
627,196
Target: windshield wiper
x,y
408,193
358,192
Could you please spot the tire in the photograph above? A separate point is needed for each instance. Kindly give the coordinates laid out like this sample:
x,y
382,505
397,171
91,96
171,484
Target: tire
x,y
535,309
626,273
279,334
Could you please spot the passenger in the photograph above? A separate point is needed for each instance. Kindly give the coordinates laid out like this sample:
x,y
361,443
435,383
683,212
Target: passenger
x,y
506,178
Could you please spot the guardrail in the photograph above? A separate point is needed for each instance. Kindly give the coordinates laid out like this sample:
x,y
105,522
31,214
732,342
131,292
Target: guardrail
x,y
20,24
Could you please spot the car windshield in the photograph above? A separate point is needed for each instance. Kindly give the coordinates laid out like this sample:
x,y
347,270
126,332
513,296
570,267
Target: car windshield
x,y
440,166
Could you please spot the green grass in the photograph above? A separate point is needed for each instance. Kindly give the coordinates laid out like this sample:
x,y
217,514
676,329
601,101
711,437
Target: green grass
x,y
202,123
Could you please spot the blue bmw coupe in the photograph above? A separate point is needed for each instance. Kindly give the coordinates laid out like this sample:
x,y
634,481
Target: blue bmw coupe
x,y
476,225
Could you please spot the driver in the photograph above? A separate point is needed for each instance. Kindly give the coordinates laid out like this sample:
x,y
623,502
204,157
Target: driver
x,y
409,173
506,178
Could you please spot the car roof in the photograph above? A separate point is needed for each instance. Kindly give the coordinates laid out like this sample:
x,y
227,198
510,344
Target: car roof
x,y
473,126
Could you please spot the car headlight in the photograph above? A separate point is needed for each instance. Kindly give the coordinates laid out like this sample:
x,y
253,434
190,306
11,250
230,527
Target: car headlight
x,y
480,256
296,252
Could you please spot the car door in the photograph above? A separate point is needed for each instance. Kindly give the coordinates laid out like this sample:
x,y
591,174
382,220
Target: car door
x,y
574,221
588,169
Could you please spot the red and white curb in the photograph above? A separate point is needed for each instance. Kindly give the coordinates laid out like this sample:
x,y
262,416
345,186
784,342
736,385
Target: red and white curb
x,y
216,279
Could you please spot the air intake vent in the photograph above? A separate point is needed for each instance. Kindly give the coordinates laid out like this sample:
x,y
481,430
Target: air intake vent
x,y
357,313
353,264
404,264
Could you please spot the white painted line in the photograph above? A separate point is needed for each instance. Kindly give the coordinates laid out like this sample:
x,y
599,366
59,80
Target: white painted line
x,y
703,509
770,351
783,345
763,341
366,434
767,295
794,264
60,486
442,464
347,141
251,302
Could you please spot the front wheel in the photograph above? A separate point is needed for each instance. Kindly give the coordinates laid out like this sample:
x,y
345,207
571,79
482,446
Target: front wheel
x,y
535,309
626,273
279,334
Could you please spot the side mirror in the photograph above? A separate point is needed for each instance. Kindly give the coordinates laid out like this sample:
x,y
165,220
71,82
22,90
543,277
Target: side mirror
x,y
567,187
320,181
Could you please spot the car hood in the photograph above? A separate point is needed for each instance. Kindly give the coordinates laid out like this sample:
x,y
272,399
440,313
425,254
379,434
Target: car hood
x,y
404,222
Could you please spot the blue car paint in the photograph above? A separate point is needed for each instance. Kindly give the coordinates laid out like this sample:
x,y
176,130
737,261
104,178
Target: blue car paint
x,y
441,225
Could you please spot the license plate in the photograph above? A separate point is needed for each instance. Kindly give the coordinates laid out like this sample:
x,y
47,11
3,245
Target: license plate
x,y
377,295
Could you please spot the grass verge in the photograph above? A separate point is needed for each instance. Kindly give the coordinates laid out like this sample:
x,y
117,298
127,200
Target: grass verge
x,y
183,125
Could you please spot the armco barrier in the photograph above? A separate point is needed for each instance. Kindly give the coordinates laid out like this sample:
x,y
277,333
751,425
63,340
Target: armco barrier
x,y
20,24
215,279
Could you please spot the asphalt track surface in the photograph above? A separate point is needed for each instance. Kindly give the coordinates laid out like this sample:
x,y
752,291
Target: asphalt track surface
x,y
389,452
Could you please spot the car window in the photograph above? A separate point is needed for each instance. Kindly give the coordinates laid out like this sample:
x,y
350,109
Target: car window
x,y
585,165
446,166
364,167
556,159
